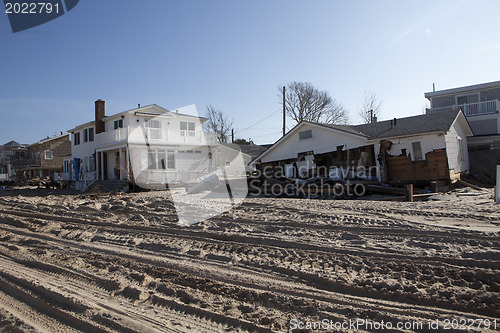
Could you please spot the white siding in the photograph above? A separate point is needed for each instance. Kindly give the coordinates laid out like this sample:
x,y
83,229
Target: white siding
x,y
453,151
428,143
323,140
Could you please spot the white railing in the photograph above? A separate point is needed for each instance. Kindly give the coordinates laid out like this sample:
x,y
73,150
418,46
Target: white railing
x,y
112,137
473,109
4,176
164,137
486,107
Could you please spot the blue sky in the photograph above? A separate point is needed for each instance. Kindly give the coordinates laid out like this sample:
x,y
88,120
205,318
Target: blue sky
x,y
235,54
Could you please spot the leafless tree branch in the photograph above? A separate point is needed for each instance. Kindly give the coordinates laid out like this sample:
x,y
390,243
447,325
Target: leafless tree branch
x,y
304,102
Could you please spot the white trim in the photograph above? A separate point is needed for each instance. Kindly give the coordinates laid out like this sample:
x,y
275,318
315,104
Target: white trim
x,y
293,130
452,91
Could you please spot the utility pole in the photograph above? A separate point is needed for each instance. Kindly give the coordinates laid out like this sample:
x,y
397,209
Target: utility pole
x,y
232,135
284,113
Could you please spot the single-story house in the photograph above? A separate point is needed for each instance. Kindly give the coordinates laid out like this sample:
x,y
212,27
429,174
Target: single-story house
x,y
412,149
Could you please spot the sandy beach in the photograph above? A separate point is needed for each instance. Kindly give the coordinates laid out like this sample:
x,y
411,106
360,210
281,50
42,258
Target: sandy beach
x,y
121,263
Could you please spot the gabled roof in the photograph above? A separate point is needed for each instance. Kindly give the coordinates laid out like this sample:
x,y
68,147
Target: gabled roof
x,y
143,110
436,122
427,123
251,150
13,144
50,139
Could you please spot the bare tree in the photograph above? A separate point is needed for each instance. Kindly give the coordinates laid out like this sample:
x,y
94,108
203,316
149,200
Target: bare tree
x,y
218,123
304,102
371,103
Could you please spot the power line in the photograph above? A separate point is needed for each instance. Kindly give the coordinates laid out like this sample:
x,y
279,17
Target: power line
x,y
268,134
258,122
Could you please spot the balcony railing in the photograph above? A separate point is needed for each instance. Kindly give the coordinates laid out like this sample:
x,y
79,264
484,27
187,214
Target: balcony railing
x,y
473,109
154,135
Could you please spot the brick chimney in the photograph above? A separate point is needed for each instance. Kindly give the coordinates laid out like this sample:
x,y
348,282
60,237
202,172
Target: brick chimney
x,y
99,115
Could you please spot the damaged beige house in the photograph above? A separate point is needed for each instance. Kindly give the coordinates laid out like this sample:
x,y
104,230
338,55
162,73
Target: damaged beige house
x,y
413,149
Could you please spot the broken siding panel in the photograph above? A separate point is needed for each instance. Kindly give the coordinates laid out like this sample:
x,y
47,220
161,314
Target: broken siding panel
x,y
403,169
427,143
322,141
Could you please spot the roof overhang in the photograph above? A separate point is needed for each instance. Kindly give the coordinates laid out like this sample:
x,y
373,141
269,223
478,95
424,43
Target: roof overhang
x,y
295,129
482,86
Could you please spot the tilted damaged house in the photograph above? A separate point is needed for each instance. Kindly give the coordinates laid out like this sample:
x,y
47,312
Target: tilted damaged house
x,y
413,149
158,141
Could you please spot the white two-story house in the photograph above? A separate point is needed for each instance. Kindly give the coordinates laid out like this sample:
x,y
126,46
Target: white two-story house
x,y
480,104
149,142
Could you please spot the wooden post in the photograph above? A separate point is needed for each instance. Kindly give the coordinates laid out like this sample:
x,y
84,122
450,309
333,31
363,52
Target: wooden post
x,y
497,189
409,192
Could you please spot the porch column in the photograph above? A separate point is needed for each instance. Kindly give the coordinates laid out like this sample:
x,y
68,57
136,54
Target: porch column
x,y
126,164
102,165
97,165
120,163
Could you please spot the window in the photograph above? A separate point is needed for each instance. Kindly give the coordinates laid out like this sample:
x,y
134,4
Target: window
x,y
417,150
152,165
161,160
91,134
48,155
307,134
118,123
154,129
85,135
170,160
76,138
460,150
187,128
467,99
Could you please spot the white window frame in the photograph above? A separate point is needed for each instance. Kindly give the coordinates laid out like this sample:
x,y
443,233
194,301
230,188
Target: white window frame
x,y
50,155
469,94
414,157
187,131
153,129
155,157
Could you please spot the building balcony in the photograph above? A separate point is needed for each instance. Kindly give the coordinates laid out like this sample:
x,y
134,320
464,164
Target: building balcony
x,y
154,136
473,109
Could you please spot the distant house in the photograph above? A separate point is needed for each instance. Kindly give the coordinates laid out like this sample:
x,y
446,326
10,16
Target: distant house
x,y
420,148
10,155
162,142
230,150
480,104
45,158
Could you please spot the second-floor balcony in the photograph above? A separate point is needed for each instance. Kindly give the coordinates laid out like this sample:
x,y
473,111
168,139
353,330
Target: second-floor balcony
x,y
473,109
154,136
